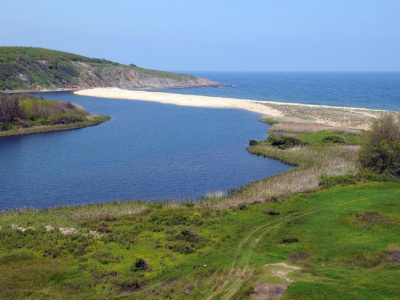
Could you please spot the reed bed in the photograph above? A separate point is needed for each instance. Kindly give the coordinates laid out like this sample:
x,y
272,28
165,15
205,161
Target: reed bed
x,y
311,163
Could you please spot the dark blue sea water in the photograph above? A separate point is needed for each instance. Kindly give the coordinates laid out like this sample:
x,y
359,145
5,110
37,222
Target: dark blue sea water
x,y
373,90
154,151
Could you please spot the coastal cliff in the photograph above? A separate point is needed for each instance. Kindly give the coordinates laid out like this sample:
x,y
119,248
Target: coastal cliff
x,y
37,69
125,77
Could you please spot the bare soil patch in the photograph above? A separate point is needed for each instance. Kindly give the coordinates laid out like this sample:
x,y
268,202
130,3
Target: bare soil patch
x,y
268,291
394,255
297,256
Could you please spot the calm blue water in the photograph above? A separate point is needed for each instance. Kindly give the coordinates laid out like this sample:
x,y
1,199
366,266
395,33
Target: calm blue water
x,y
154,151
148,151
375,90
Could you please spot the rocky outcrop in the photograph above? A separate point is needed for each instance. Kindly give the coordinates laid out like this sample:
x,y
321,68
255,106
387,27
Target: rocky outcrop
x,y
136,78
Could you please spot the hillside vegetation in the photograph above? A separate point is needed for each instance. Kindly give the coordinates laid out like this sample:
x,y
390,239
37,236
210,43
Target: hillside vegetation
x,y
340,243
28,68
24,114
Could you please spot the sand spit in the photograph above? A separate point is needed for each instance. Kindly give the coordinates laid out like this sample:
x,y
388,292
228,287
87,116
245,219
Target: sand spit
x,y
179,99
357,118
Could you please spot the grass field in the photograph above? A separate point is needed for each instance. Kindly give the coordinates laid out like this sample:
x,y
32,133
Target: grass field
x,y
345,240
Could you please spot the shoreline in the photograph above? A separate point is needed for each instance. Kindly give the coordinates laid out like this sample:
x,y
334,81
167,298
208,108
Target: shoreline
x,y
53,128
348,117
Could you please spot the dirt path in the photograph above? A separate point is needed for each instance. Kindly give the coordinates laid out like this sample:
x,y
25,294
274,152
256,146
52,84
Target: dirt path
x,y
239,270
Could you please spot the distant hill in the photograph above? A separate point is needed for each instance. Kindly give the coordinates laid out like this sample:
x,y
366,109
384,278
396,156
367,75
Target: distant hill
x,y
38,69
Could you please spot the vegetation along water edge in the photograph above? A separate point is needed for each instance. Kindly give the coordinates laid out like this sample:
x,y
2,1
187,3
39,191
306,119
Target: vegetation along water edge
x,y
26,114
328,228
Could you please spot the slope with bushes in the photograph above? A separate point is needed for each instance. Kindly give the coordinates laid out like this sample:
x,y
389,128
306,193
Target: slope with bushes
x,y
35,69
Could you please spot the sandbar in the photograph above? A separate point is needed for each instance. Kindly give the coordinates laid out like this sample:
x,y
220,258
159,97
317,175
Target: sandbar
x,y
357,118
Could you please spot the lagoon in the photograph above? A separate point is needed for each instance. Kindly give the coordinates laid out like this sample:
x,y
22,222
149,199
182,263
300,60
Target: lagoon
x,y
148,151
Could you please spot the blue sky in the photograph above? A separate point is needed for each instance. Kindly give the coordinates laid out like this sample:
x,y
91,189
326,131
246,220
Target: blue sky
x,y
217,35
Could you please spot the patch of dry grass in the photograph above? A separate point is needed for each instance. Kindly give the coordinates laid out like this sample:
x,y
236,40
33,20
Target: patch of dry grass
x,y
300,128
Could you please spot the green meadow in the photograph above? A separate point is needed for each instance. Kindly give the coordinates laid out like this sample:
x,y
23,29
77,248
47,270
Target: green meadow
x,y
345,240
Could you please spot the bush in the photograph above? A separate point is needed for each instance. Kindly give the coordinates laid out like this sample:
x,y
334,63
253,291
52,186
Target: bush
x,y
182,247
326,181
188,235
284,142
290,240
253,142
271,212
369,175
380,151
140,265
332,138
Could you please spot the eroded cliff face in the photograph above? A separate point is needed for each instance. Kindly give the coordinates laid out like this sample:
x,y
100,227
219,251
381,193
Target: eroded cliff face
x,y
136,78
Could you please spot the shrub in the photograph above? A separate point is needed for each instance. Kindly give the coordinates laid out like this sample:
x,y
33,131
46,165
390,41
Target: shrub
x,y
253,142
332,138
375,218
128,284
140,265
284,142
380,151
243,207
327,181
271,212
188,235
182,247
290,240
369,175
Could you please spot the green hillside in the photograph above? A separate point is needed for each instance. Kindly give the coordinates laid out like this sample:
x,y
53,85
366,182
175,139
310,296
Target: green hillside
x,y
29,68
21,67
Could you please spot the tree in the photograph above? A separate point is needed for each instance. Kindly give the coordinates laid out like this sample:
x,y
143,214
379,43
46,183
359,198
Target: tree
x,y
380,150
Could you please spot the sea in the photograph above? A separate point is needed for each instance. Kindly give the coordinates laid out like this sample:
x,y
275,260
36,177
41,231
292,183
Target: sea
x,y
153,151
372,90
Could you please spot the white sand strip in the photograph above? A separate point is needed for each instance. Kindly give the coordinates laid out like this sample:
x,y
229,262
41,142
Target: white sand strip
x,y
184,100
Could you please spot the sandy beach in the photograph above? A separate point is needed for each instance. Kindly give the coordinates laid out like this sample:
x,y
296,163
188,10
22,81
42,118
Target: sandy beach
x,y
347,117
179,99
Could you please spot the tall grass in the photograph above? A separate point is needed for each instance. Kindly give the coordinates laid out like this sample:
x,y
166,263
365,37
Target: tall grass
x,y
311,163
